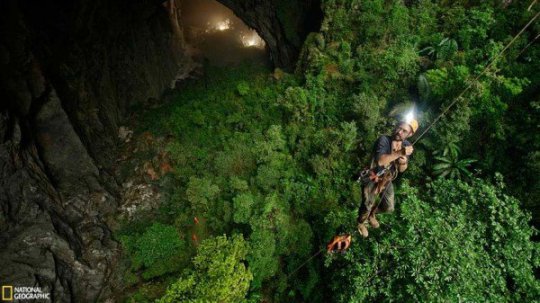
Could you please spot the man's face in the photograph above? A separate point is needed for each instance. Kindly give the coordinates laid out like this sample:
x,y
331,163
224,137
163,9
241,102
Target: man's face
x,y
402,132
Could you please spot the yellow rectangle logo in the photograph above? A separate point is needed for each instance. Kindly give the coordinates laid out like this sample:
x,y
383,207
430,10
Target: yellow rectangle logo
x,y
7,293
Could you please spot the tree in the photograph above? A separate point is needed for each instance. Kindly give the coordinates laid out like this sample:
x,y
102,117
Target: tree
x,y
219,274
450,165
157,251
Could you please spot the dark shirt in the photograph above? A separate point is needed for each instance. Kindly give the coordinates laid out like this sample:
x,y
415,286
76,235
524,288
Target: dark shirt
x,y
383,146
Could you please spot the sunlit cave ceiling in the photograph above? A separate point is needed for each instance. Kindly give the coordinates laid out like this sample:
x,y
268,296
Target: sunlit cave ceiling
x,y
215,34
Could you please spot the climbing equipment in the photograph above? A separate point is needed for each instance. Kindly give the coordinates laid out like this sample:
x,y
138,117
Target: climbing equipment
x,y
370,175
339,244
304,263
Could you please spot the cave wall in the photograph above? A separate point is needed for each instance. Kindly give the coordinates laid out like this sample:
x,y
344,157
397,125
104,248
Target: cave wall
x,y
69,71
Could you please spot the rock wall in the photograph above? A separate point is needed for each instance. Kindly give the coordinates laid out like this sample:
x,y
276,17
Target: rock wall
x,y
69,71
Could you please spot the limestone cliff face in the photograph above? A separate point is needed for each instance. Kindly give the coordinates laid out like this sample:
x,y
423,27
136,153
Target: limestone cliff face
x,y
69,72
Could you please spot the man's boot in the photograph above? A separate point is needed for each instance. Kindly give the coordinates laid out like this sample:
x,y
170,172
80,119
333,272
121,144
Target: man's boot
x,y
362,218
373,221
362,230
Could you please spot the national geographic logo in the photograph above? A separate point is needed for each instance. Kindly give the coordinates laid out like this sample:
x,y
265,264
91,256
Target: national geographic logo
x,y
7,293
22,293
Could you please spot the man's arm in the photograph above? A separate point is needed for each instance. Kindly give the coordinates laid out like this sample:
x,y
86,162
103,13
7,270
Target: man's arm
x,y
386,159
381,149
403,161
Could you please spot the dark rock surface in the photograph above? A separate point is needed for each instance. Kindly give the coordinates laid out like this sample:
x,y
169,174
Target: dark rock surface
x,y
69,72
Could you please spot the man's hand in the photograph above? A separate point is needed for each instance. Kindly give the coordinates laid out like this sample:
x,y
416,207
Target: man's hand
x,y
396,146
407,150
402,160
402,163
386,159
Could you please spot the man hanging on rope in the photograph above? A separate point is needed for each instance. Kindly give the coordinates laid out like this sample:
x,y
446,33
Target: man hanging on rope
x,y
390,156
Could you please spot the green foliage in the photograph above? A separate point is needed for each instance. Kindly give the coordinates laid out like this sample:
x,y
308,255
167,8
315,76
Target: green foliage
x,y
367,109
442,51
446,83
449,164
159,250
218,275
453,242
201,194
242,88
146,293
243,204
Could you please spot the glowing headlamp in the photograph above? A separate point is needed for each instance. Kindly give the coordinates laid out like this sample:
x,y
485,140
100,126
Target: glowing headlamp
x,y
409,116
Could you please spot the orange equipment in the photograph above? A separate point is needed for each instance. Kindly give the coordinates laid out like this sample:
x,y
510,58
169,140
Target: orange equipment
x,y
339,243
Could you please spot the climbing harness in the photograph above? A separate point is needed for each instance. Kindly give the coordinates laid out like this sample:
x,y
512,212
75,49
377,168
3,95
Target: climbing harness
x,y
370,175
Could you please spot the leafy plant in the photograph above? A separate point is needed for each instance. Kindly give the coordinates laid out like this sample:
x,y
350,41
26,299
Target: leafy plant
x,y
159,250
450,165
442,51
242,88
219,274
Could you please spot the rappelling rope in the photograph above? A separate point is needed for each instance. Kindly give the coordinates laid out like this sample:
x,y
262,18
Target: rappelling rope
x,y
304,263
527,46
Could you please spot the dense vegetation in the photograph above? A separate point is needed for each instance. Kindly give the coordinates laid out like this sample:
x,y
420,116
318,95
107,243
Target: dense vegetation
x,y
264,166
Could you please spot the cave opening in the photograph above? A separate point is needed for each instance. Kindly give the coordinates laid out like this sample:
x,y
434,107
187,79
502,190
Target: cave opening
x,y
215,36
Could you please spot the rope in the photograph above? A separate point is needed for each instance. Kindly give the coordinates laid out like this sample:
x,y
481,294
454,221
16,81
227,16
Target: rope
x,y
527,46
477,77
531,5
305,262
